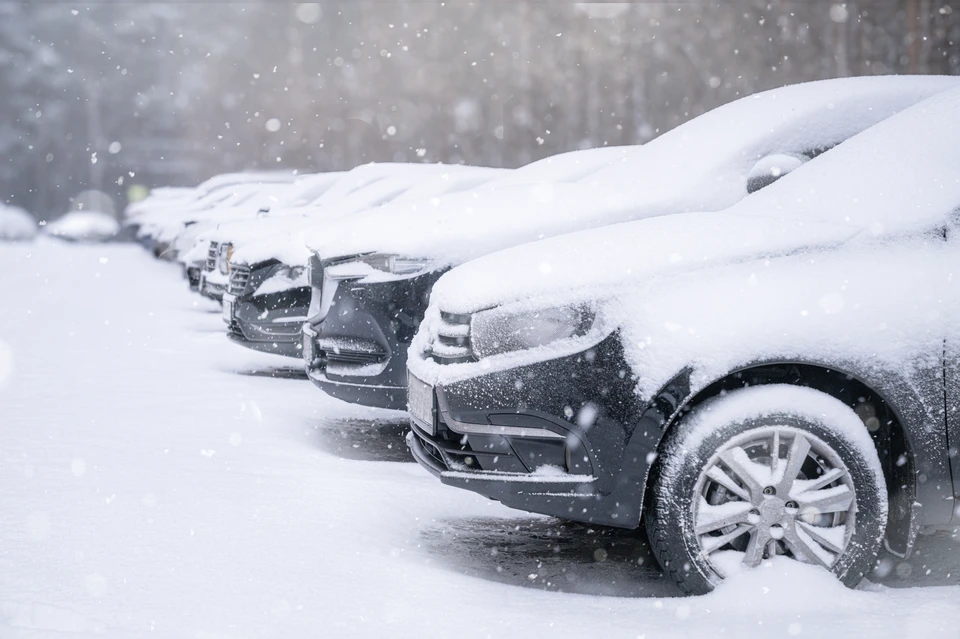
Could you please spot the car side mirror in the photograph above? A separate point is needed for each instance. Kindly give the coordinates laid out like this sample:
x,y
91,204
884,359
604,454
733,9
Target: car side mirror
x,y
771,168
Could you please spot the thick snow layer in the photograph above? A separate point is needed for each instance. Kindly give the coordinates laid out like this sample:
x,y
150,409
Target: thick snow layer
x,y
243,202
775,276
16,224
84,226
702,165
157,482
167,219
566,167
350,191
416,186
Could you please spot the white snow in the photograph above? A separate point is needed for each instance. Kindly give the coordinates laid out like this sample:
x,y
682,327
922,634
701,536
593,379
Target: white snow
x,y
16,224
699,166
283,282
150,489
417,186
84,226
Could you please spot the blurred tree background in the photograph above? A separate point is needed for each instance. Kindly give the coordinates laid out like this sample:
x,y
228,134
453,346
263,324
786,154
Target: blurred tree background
x,y
105,95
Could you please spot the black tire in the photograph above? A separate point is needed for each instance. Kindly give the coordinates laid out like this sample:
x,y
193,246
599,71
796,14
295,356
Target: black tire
x,y
694,442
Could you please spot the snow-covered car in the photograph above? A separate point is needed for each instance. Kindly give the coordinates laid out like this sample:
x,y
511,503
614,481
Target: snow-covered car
x,y
352,191
84,226
372,274
192,244
168,214
269,294
16,224
777,378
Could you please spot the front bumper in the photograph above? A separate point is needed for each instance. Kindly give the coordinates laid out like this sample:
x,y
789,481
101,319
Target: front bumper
x,y
555,437
358,353
268,323
208,288
378,389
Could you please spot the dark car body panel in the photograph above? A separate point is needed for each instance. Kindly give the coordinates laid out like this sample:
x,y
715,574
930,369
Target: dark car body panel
x,y
269,322
618,446
382,318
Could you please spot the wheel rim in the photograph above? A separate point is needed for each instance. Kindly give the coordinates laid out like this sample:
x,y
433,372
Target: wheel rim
x,y
771,491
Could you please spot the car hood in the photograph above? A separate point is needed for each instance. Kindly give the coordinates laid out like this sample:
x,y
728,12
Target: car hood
x,y
583,266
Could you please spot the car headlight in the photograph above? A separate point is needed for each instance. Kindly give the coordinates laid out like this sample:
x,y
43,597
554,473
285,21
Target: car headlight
x,y
496,331
394,264
223,258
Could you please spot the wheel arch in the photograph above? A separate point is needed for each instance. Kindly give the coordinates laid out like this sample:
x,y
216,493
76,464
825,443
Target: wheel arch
x,y
896,444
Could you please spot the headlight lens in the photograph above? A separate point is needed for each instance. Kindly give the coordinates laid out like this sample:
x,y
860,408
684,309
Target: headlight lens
x,y
394,264
495,331
223,258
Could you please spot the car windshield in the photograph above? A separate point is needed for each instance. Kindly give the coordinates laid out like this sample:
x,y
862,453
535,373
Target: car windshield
x,y
463,319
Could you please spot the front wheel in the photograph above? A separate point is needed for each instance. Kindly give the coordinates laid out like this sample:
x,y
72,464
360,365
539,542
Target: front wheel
x,y
761,472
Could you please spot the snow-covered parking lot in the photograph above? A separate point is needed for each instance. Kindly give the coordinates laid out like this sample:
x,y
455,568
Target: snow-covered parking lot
x,y
157,480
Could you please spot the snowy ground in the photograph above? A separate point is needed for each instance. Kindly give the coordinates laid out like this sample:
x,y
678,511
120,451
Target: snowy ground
x,y
156,480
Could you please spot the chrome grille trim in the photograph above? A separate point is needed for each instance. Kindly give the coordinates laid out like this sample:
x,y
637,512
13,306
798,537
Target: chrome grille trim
x,y
239,278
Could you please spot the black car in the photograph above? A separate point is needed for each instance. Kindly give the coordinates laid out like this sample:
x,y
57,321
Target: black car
x,y
372,276
263,316
778,378
269,294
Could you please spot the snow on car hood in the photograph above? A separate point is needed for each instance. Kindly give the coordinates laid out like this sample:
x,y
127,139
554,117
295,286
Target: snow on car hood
x,y
422,187
699,166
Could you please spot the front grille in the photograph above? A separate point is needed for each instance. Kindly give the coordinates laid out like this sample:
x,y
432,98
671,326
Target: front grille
x,y
212,254
451,344
351,351
239,277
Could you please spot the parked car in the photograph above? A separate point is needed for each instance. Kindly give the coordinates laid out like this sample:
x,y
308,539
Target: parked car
x,y
167,216
16,224
269,295
193,243
84,226
372,275
773,379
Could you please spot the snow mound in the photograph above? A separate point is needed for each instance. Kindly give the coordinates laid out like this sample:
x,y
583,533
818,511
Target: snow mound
x,y
84,226
16,224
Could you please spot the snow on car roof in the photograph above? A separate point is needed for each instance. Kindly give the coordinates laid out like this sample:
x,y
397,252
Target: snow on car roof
x,y
868,186
251,177
567,167
701,165
310,187
423,183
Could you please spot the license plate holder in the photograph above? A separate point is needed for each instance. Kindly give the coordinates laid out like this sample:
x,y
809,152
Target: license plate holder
x,y
307,346
227,309
421,404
